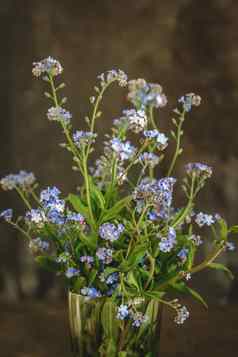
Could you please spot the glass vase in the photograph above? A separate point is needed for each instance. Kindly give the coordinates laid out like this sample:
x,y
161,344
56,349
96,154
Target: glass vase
x,y
95,330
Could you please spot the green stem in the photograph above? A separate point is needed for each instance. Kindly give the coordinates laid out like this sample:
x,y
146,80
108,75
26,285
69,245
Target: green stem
x,y
65,129
16,226
151,114
208,261
178,142
152,270
21,194
188,207
87,187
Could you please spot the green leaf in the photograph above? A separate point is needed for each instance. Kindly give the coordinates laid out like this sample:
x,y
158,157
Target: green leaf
x,y
157,295
92,276
183,288
223,229
109,271
134,258
197,296
151,313
233,229
97,196
221,267
47,263
112,213
79,206
131,280
122,354
89,240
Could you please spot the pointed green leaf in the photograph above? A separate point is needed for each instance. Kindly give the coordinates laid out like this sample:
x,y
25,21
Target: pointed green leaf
x,y
79,206
183,288
111,213
222,267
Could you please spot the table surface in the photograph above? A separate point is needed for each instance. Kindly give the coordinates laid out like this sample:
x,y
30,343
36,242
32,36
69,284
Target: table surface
x,y
33,329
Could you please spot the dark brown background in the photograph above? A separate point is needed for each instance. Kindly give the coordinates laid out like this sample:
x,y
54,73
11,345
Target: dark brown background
x,y
185,45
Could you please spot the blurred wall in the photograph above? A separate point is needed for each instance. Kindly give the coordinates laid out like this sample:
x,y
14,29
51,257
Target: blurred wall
x,y
183,45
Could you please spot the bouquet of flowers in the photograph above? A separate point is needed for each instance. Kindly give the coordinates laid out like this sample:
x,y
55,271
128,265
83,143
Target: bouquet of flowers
x,y
121,238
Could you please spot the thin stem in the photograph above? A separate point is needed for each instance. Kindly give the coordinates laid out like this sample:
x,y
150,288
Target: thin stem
x,y
65,129
21,194
178,141
16,226
188,207
87,186
152,270
151,113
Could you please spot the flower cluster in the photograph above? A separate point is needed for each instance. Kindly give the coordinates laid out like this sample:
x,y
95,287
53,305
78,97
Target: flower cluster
x,y
160,139
203,219
143,94
149,159
59,114
137,119
7,215
105,255
124,150
126,312
190,100
83,137
110,231
47,66
167,243
37,245
23,180
113,75
182,315
198,169
122,237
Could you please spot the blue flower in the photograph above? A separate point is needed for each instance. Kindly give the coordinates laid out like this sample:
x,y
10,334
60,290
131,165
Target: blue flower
x,y
112,278
71,272
87,259
23,179
83,137
160,138
143,94
138,319
36,216
153,216
200,170
49,194
91,293
113,75
110,231
183,255
7,214
56,217
124,150
167,243
137,119
105,255
47,66
189,100
59,114
38,245
122,312
149,159
203,219
75,217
